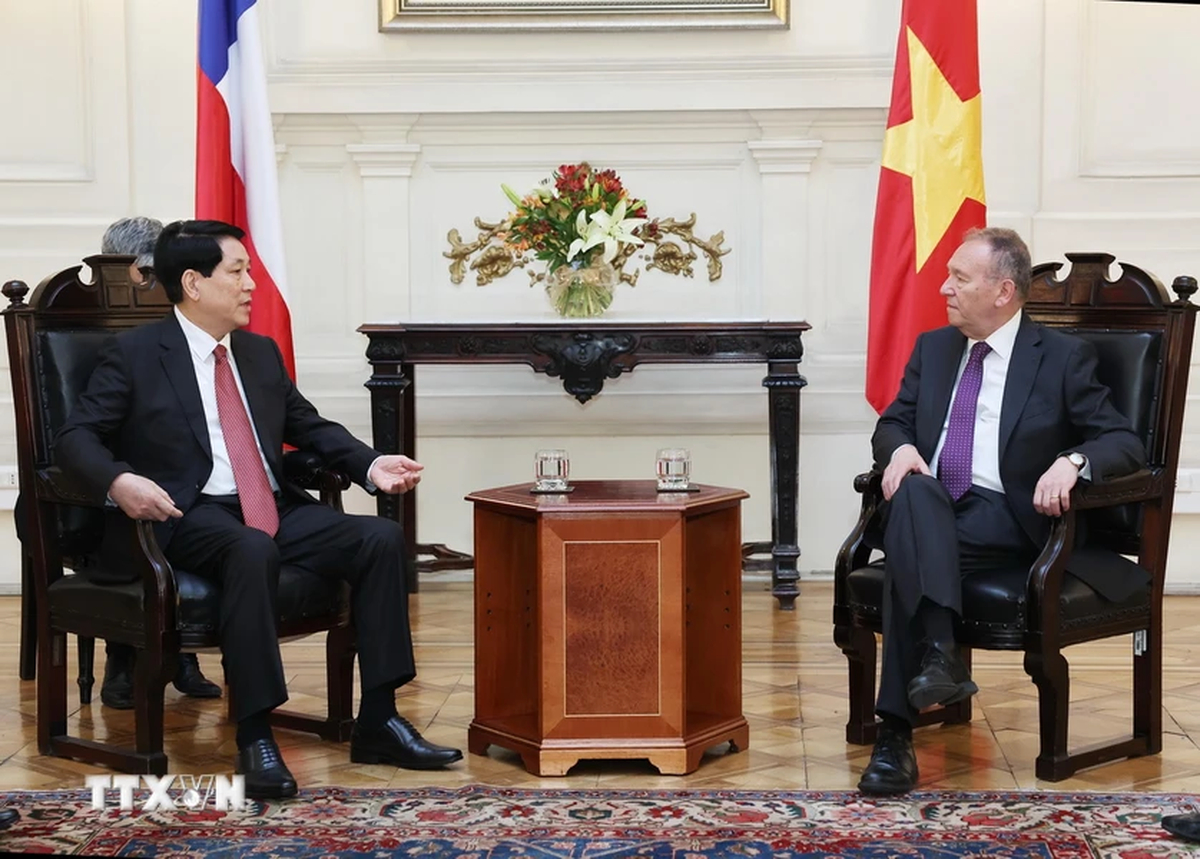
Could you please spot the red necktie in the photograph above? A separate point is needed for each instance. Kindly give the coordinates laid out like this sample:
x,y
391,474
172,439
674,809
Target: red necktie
x,y
254,490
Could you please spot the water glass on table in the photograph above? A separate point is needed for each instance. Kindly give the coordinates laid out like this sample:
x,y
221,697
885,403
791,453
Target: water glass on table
x,y
551,468
673,468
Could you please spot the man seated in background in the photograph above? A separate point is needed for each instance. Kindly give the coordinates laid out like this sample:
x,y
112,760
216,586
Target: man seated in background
x,y
136,237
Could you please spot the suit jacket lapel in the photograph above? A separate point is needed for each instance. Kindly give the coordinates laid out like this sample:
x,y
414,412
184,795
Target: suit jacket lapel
x,y
177,362
1022,370
942,375
259,409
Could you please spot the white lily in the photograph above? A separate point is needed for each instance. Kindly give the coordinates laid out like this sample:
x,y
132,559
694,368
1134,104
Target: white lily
x,y
607,229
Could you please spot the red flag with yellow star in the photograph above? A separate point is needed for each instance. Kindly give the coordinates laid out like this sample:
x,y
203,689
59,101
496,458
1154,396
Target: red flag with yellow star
x,y
930,183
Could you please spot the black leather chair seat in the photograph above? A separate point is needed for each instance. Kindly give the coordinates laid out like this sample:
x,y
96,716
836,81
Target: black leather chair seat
x,y
997,601
303,595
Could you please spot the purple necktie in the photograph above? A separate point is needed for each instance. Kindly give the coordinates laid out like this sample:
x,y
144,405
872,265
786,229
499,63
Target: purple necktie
x,y
954,464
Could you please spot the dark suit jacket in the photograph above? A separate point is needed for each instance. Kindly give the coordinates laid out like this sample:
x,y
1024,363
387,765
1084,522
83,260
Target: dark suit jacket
x,y
142,412
1053,404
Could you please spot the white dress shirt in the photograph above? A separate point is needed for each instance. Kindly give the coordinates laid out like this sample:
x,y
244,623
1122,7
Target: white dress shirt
x,y
985,455
201,344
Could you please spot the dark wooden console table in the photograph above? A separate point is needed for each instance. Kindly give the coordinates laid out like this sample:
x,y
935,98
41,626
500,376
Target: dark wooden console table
x,y
583,353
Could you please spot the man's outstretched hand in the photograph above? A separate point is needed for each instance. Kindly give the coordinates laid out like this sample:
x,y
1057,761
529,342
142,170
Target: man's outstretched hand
x,y
142,498
395,474
905,461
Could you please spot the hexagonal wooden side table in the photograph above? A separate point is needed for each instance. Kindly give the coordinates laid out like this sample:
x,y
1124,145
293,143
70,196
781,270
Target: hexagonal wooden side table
x,y
608,624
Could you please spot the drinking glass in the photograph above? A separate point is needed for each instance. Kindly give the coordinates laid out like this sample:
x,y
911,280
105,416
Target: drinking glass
x,y
551,468
673,467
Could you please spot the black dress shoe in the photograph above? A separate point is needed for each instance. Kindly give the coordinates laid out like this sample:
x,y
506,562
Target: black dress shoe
x,y
191,681
8,816
266,775
398,743
1186,826
943,678
117,689
893,766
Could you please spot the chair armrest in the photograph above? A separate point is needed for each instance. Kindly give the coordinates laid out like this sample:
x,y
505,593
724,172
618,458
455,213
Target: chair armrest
x,y
1139,486
869,482
1045,582
308,471
54,484
856,549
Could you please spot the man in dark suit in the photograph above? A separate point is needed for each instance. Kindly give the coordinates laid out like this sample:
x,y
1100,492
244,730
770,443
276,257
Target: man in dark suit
x,y
995,421
183,422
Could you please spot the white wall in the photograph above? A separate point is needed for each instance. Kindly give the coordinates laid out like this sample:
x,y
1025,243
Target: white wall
x,y
388,141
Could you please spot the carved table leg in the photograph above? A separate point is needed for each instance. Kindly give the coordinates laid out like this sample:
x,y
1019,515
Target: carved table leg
x,y
783,383
393,431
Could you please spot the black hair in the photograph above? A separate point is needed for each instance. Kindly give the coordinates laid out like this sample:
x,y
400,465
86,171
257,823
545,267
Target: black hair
x,y
187,245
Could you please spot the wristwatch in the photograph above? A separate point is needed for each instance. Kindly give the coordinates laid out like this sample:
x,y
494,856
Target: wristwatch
x,y
1077,459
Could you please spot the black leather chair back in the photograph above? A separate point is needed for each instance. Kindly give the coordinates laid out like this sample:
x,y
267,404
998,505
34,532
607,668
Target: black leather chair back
x,y
1131,364
65,361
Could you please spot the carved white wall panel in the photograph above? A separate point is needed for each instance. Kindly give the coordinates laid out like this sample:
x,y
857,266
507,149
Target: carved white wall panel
x,y
1119,113
1134,122
717,185
55,142
63,65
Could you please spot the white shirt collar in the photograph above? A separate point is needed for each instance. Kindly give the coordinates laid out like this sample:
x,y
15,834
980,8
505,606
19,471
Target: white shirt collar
x,y
199,341
1003,338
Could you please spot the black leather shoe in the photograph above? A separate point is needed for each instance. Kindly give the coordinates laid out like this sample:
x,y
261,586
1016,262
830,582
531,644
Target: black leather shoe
x,y
943,678
1186,826
191,681
398,743
117,689
8,816
266,775
893,766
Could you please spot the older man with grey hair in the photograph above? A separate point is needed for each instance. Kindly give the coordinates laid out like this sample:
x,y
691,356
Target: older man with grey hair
x,y
137,236
134,236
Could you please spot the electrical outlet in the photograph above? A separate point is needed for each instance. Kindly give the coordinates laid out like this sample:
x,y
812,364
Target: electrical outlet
x,y
9,479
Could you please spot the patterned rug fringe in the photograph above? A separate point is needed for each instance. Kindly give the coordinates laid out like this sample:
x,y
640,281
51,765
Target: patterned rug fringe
x,y
486,822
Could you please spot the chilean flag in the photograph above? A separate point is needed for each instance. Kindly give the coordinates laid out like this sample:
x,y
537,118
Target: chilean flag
x,y
235,156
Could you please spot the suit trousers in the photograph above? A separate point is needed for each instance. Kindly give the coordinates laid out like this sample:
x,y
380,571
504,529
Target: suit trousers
x,y
931,542
366,551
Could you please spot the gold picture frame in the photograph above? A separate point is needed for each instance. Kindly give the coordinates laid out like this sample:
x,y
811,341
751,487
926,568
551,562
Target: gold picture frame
x,y
510,15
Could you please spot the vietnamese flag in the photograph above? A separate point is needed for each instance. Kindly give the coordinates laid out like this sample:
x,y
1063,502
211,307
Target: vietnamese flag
x,y
930,183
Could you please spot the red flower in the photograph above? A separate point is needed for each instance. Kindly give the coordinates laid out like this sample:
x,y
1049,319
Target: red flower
x,y
609,183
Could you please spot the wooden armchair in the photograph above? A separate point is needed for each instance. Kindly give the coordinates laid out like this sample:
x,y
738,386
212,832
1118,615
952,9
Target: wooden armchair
x,y
53,342
1144,343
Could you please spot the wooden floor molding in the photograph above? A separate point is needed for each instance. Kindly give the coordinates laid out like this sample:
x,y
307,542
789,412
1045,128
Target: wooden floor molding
x,y
794,691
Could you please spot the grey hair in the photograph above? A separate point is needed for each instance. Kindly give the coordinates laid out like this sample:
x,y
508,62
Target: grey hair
x,y
133,236
1010,256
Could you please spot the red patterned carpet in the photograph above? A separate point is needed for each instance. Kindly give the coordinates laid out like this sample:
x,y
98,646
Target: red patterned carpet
x,y
545,824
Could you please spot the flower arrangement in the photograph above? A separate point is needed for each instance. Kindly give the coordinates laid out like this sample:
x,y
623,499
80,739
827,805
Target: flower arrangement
x,y
576,215
586,227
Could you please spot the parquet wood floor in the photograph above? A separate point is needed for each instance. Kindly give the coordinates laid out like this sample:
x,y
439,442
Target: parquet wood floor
x,y
794,698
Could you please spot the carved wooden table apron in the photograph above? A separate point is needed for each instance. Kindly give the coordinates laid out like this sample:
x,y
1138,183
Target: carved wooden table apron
x,y
583,353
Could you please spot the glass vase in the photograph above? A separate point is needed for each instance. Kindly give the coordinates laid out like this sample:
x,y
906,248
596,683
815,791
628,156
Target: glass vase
x,y
581,292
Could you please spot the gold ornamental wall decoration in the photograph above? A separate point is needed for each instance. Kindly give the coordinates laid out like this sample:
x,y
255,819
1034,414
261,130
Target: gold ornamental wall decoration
x,y
583,224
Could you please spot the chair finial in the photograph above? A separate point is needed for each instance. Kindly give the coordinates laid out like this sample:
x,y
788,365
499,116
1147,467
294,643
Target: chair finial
x,y
1184,286
16,290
